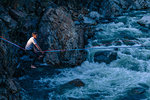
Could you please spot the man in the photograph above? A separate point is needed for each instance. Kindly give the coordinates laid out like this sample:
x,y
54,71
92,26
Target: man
x,y
31,48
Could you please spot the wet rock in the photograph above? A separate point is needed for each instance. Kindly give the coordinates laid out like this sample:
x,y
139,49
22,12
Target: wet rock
x,y
137,90
140,4
94,15
136,93
111,8
88,20
58,32
25,58
76,22
89,32
76,83
105,56
145,86
70,85
145,21
80,30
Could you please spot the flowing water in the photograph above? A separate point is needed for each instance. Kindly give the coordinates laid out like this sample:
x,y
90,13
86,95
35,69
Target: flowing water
x,y
127,78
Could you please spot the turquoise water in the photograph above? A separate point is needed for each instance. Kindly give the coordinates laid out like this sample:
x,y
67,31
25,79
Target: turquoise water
x,y
122,79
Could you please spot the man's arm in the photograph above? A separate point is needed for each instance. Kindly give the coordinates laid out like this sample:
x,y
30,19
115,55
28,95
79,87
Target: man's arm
x,y
34,49
39,48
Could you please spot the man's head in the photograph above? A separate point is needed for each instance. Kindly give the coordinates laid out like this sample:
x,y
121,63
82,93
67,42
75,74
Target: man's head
x,y
35,34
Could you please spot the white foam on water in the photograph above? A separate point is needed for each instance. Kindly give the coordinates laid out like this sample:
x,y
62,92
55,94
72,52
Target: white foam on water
x,y
106,81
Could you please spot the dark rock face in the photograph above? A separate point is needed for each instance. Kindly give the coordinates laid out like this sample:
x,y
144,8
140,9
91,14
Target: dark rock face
x,y
18,18
111,8
105,56
16,14
58,32
9,89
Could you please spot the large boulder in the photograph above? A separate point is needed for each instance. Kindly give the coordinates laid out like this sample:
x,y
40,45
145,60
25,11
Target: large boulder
x,y
58,32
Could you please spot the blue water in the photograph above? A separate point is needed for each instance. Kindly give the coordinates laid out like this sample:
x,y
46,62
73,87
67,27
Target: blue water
x,y
114,81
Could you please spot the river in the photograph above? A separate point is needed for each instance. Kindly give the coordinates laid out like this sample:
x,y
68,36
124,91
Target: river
x,y
127,78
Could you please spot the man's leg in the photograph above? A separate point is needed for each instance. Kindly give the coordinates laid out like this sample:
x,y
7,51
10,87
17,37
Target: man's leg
x,y
40,56
34,56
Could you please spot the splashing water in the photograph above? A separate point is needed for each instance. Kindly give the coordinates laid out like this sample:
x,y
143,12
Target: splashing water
x,y
114,81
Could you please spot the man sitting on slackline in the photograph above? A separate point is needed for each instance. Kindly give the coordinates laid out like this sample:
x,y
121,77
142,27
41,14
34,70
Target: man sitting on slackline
x,y
31,49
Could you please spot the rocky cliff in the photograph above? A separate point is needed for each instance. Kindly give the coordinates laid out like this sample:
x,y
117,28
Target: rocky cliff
x,y
61,25
9,89
58,32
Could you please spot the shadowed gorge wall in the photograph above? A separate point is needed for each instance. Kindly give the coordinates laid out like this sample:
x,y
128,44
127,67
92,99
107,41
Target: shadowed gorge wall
x,y
60,24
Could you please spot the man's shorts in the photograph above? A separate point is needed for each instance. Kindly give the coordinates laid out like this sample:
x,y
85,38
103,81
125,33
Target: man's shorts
x,y
31,53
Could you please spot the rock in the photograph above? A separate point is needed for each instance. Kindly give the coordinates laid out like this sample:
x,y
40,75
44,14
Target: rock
x,y
8,21
2,10
105,56
11,86
94,15
4,28
88,20
80,30
136,93
58,32
23,66
140,4
145,21
8,87
89,33
76,22
25,58
3,97
1,56
143,85
76,83
112,8
3,91
70,85
16,14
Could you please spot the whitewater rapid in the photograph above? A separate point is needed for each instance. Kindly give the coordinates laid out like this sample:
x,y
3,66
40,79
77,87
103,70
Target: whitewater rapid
x,y
113,81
